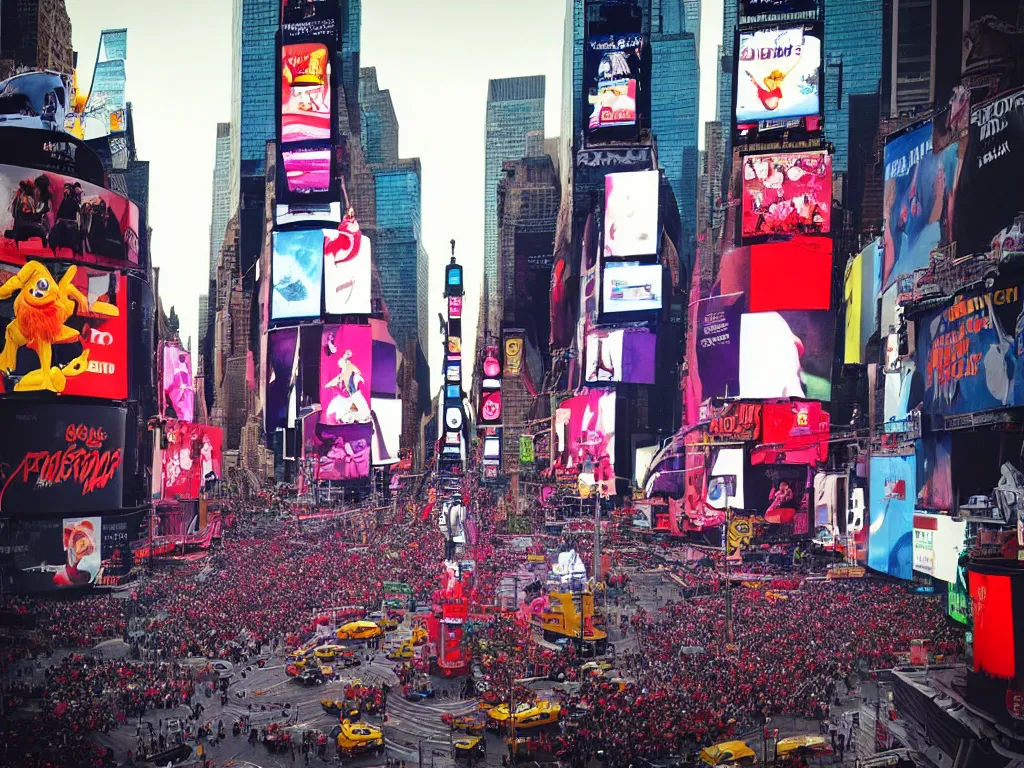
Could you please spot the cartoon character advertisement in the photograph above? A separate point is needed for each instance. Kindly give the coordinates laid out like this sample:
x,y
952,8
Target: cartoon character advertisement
x,y
192,459
787,193
64,330
52,216
305,92
61,458
347,267
178,392
346,360
778,73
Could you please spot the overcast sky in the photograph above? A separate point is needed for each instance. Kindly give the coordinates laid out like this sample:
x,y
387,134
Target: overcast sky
x,y
435,58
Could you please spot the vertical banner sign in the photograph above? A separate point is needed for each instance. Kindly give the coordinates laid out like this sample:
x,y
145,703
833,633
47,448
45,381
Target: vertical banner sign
x,y
718,345
513,353
526,453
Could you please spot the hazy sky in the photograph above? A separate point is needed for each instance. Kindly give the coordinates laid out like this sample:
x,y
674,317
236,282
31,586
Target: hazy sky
x,y
435,58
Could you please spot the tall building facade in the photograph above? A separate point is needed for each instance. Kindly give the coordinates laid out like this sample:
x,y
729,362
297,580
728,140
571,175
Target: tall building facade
x,y
35,33
221,193
254,80
515,108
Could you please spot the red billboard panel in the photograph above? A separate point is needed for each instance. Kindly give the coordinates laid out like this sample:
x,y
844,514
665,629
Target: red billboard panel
x,y
192,457
796,432
796,274
992,605
787,193
64,330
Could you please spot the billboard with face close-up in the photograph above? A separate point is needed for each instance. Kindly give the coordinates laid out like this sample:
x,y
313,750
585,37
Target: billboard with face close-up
x,y
778,73
297,273
786,354
307,170
615,86
787,193
620,355
64,330
61,458
346,365
631,214
178,392
52,216
305,92
347,268
629,286
192,459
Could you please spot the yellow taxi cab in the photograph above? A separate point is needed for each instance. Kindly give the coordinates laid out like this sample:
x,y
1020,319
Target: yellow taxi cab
x,y
359,737
403,652
299,655
729,753
358,630
328,651
469,747
792,747
527,715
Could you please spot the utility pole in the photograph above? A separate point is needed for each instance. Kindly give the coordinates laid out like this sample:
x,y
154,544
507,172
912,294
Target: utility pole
x,y
728,580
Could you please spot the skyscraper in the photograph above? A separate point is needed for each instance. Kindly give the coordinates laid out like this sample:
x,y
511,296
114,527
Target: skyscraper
x,y
515,108
254,58
35,33
221,194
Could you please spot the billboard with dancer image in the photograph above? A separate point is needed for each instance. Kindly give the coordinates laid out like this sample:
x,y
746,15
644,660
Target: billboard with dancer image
x,y
346,365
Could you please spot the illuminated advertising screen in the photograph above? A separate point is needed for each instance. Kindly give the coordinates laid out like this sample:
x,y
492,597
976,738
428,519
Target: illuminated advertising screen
x,y
305,92
893,493
938,543
717,345
616,77
796,432
861,287
64,330
178,393
193,458
513,353
992,608
780,493
725,481
787,194
786,354
346,365
297,272
630,214
968,356
620,355
52,216
347,268
387,431
346,451
282,346
958,604
307,170
385,360
585,438
919,191
61,458
796,274
772,7
778,74
629,286
53,151
454,307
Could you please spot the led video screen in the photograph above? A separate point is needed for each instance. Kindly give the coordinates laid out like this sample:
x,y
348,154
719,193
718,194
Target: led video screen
x,y
52,216
347,268
178,393
345,451
631,287
725,482
993,609
620,355
938,542
385,360
778,73
796,274
193,458
387,431
585,437
346,365
61,457
631,214
893,493
282,345
786,194
307,170
786,354
616,79
297,272
305,92
64,330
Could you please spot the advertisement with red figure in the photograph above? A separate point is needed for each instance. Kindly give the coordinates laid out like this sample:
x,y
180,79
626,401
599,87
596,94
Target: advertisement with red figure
x,y
585,438
787,193
52,216
346,364
305,92
178,394
60,458
192,459
347,268
793,433
64,330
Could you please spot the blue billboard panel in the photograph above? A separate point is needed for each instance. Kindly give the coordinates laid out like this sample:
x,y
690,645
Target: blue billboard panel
x,y
891,536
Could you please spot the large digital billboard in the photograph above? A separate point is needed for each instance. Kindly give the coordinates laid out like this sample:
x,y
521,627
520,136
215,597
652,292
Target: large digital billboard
x,y
938,542
64,330
992,607
629,286
305,92
630,214
177,393
52,216
297,272
717,346
585,438
917,202
969,356
282,362
787,193
620,355
346,451
616,79
778,74
387,430
861,287
347,268
786,354
385,360
893,493
346,365
796,274
193,458
59,458
307,170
